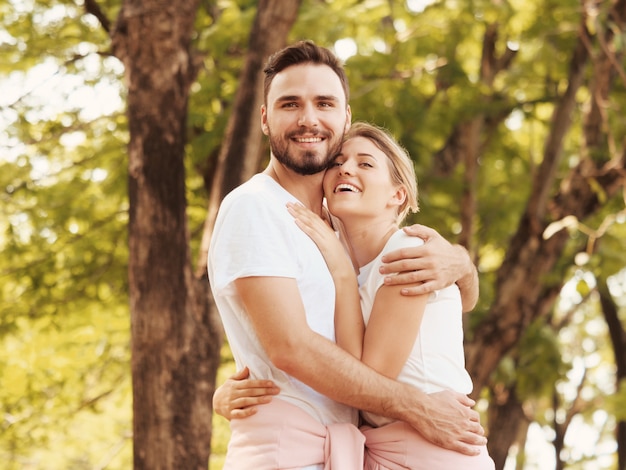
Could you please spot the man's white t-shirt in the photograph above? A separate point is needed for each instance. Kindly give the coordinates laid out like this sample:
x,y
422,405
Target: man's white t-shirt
x,y
254,235
437,360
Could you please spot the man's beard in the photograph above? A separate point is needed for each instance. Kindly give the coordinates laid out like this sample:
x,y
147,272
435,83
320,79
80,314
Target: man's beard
x,y
308,164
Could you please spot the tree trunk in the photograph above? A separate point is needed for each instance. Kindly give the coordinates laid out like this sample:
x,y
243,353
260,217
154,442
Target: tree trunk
x,y
176,333
507,421
618,341
174,359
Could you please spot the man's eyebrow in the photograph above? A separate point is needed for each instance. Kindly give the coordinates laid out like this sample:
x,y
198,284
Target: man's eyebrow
x,y
317,98
288,98
327,98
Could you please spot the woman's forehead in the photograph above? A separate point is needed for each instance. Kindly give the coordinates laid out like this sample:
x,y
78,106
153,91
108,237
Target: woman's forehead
x,y
359,144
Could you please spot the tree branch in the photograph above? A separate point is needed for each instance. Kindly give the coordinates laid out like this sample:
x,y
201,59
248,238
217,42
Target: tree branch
x,y
561,122
92,7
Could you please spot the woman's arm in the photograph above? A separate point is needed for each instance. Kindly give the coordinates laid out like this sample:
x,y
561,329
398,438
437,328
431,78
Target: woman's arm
x,y
392,329
349,326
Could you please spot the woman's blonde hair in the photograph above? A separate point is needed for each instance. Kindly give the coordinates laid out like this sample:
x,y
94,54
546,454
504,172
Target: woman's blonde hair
x,y
400,164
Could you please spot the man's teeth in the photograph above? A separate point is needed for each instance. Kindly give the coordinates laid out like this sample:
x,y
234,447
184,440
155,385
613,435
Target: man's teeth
x,y
347,187
309,140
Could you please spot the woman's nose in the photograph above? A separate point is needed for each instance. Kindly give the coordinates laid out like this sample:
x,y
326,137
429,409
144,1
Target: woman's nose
x,y
344,169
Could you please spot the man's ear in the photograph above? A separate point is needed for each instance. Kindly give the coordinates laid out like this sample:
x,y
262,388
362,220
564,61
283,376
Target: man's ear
x,y
264,126
348,119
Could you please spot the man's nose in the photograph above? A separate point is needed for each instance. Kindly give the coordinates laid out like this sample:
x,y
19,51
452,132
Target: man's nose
x,y
308,116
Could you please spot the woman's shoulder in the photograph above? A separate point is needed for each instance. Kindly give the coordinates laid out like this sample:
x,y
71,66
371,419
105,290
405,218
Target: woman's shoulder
x,y
400,239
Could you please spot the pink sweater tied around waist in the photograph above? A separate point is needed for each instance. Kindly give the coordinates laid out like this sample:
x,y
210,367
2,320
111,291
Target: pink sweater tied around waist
x,y
282,436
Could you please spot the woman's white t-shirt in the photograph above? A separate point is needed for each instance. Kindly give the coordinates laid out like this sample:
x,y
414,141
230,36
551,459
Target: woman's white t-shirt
x,y
437,360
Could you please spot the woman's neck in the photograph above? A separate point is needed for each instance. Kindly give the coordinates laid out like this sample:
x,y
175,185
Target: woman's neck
x,y
367,237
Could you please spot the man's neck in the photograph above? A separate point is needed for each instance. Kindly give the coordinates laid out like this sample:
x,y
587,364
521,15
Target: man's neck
x,y
306,188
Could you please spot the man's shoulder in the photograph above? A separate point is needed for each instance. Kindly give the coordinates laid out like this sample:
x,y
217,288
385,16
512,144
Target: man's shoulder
x,y
254,185
255,192
256,208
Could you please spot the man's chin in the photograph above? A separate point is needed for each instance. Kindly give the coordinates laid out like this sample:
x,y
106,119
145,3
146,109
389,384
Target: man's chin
x,y
309,171
307,164
309,168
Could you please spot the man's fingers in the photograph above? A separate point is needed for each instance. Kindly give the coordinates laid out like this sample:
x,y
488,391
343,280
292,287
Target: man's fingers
x,y
421,231
257,390
409,277
465,449
407,260
407,267
458,428
474,439
242,374
246,406
246,402
467,443
412,283
242,413
467,401
396,260
474,416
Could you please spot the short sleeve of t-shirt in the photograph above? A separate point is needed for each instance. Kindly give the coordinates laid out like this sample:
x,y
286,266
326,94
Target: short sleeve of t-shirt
x,y
252,238
369,278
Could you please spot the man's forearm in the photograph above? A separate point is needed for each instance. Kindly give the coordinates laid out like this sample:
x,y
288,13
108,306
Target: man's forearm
x,y
468,283
443,418
276,313
343,378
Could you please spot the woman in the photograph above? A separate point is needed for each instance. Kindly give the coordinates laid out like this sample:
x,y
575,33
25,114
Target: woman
x,y
369,188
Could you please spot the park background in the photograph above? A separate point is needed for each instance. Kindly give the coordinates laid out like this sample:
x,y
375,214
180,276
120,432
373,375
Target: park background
x,y
124,123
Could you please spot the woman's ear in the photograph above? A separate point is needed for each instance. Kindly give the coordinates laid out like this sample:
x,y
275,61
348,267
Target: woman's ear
x,y
399,197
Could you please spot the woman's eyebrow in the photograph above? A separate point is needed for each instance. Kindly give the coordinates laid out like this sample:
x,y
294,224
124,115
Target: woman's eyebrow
x,y
365,154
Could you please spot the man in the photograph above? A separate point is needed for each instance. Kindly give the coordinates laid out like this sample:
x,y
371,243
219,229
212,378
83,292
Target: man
x,y
277,298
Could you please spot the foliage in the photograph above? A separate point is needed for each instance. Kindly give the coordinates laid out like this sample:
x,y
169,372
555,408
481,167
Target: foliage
x,y
63,315
616,404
